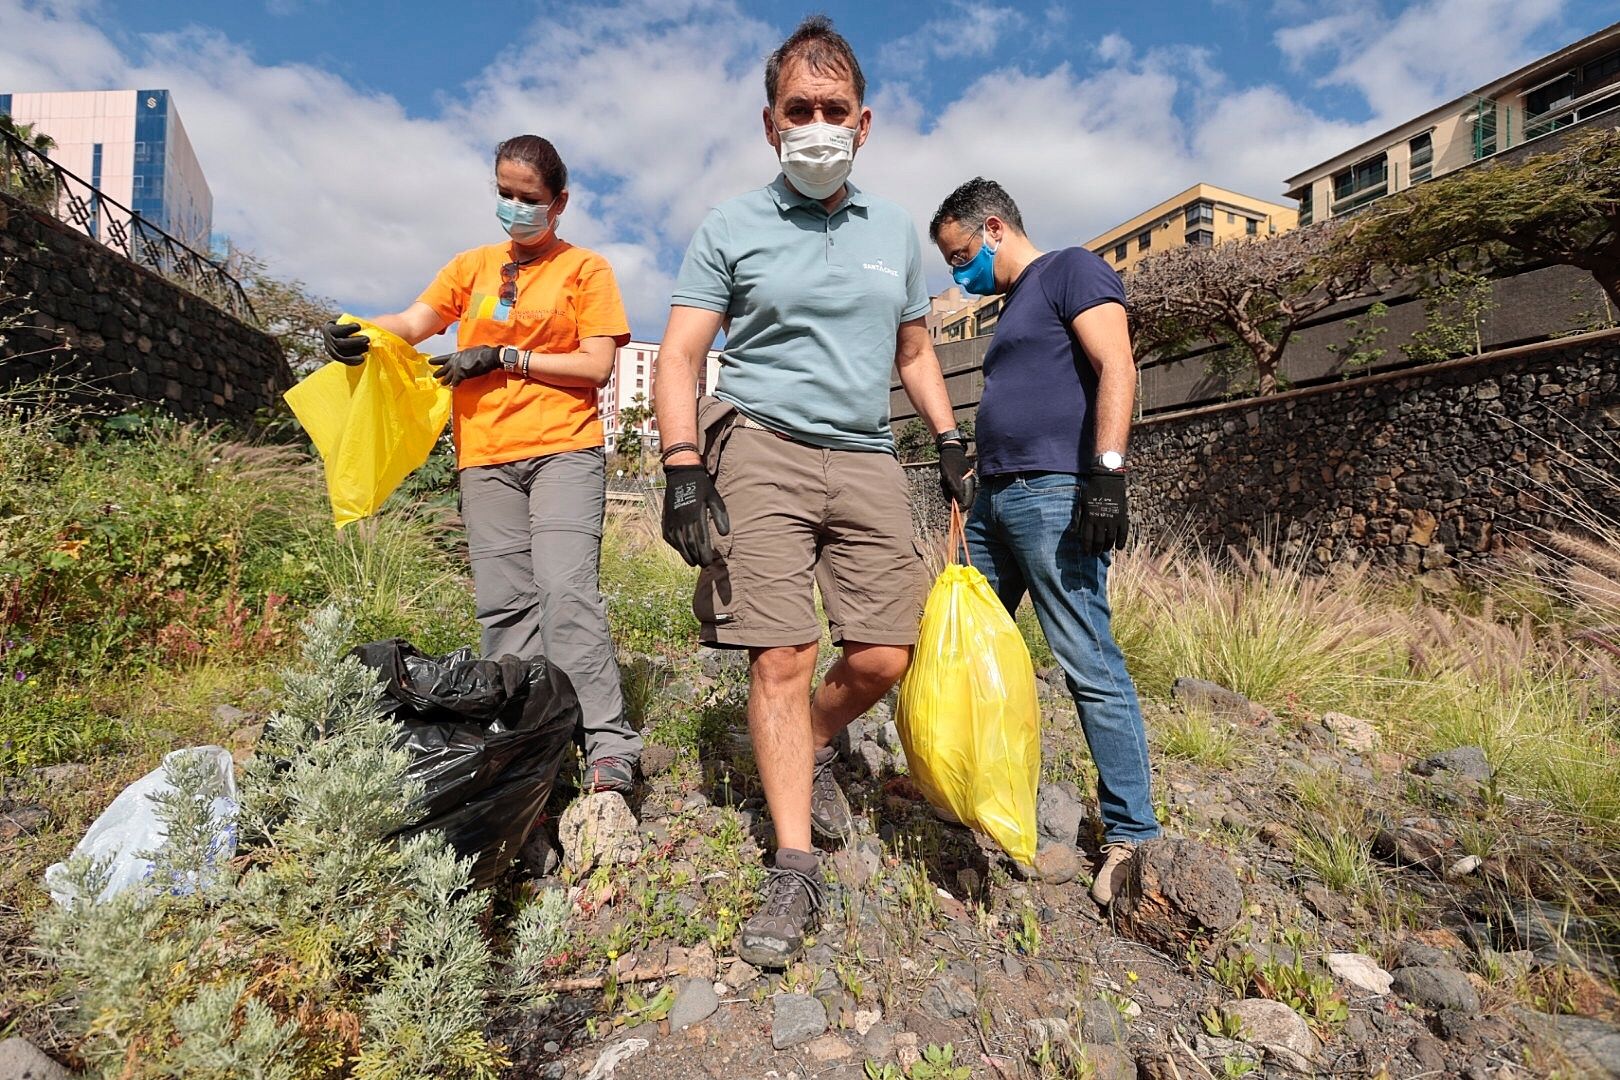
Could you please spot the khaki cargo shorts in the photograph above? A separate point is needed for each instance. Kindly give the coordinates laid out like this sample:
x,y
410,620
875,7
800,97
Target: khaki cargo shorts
x,y
803,517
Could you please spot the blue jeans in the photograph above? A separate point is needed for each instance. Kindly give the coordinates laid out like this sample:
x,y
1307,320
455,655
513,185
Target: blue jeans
x,y
1021,537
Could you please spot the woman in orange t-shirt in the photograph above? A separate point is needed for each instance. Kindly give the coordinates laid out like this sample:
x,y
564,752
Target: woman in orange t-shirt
x,y
539,320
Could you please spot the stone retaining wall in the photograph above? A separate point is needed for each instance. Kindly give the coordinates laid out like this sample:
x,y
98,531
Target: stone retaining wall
x,y
126,334
1412,470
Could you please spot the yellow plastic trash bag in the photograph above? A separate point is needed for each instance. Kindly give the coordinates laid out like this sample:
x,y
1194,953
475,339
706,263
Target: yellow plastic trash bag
x,y
968,715
373,424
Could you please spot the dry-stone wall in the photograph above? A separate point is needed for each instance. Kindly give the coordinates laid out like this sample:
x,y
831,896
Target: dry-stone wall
x,y
1415,470
125,331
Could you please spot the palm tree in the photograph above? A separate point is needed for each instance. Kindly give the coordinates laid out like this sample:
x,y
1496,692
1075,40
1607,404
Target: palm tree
x,y
23,173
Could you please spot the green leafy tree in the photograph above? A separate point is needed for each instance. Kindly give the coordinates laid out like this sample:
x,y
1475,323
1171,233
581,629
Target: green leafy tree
x,y
1562,206
21,173
1455,304
1362,350
287,309
1251,295
914,443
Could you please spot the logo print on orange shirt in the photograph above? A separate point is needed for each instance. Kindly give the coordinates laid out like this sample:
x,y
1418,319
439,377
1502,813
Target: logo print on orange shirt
x,y
484,306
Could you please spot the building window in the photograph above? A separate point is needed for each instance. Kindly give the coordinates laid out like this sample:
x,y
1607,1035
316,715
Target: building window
x,y
1120,251
1305,206
1561,91
1602,105
1200,214
1231,218
1422,157
1360,183
1483,123
1599,69
1251,227
1201,238
1144,240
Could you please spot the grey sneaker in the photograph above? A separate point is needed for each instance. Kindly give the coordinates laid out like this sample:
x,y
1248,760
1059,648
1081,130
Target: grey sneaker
x,y
830,816
1111,874
791,900
610,774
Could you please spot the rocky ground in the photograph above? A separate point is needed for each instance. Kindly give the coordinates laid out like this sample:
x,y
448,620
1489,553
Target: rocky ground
x,y
1319,906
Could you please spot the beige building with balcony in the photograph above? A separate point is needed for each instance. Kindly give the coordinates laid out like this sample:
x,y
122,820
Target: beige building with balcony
x,y
1573,85
1204,215
957,316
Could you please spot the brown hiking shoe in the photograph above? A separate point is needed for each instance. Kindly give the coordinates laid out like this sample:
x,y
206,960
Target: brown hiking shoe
x,y
791,900
1111,874
830,816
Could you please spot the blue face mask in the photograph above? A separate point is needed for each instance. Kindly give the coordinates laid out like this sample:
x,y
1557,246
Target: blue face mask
x,y
523,222
978,274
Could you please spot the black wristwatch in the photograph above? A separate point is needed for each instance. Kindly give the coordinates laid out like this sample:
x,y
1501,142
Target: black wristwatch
x,y
1109,460
953,435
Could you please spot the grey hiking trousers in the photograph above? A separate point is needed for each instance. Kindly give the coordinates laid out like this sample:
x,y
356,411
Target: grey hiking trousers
x,y
534,534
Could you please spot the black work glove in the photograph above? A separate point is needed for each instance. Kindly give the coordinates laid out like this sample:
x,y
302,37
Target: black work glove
x,y
955,476
1101,517
452,368
689,498
345,343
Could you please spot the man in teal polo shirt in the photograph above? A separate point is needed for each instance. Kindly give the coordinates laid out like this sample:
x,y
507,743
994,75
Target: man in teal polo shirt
x,y
820,289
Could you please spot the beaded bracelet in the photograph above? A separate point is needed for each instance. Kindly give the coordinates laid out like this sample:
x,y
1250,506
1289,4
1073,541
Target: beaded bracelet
x,y
678,448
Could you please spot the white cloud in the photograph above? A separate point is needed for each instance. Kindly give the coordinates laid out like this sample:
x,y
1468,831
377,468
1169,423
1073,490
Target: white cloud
x,y
656,106
1114,48
1083,153
1425,55
964,30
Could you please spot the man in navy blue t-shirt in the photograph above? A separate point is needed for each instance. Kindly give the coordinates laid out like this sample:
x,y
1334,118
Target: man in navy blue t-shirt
x,y
1059,387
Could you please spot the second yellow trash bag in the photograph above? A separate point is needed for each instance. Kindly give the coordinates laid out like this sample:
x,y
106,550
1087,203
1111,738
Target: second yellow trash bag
x,y
968,716
373,424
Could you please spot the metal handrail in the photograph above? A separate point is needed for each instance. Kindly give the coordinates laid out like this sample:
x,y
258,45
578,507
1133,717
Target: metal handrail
x,y
41,183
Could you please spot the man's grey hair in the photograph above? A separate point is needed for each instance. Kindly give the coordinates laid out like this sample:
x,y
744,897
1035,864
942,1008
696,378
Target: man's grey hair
x,y
972,204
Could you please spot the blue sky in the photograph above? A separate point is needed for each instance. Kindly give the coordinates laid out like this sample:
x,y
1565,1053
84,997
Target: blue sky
x,y
348,143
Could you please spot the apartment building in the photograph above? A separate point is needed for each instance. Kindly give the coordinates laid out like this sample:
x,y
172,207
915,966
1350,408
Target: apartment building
x,y
971,317
1203,215
631,384
1574,85
130,145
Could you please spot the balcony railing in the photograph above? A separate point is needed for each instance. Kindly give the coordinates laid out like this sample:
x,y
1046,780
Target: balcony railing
x,y
32,177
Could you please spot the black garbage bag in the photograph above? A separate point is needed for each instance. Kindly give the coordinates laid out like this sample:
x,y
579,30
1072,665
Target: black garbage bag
x,y
486,739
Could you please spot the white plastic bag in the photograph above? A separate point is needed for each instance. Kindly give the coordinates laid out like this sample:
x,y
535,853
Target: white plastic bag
x,y
129,827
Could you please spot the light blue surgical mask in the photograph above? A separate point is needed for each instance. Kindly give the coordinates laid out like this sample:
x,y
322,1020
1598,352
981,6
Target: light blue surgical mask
x,y
523,222
978,274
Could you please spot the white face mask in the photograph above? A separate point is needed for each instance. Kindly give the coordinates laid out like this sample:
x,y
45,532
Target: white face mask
x,y
817,157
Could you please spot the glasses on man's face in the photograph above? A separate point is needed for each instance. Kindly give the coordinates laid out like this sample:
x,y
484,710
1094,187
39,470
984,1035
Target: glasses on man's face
x,y
963,257
509,274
